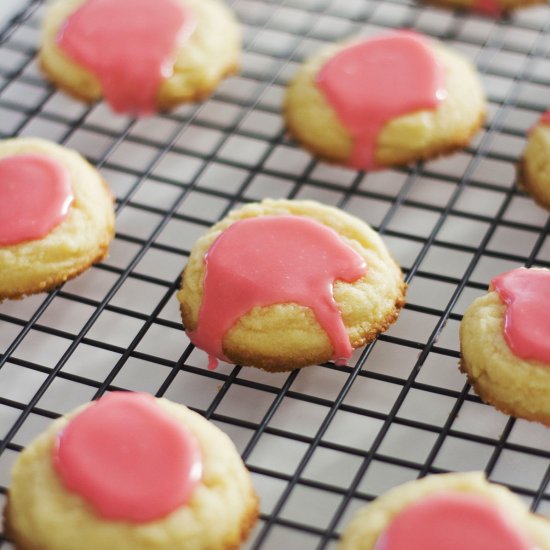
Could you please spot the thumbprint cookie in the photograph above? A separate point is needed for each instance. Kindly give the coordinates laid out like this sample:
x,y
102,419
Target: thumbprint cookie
x,y
283,284
56,216
451,511
505,344
142,56
130,472
386,100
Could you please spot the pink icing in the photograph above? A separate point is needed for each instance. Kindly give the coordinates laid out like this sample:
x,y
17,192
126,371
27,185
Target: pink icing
x,y
527,319
543,119
129,45
372,82
128,458
275,260
492,8
35,197
452,521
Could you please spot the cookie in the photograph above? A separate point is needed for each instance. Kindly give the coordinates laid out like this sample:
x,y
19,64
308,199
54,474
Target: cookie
x,y
386,100
284,284
505,344
534,167
140,55
130,472
56,216
492,8
450,511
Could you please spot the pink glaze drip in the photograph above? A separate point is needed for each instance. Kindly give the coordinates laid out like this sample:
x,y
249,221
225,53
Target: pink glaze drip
x,y
492,8
543,119
527,319
128,458
35,197
372,82
129,45
275,260
452,521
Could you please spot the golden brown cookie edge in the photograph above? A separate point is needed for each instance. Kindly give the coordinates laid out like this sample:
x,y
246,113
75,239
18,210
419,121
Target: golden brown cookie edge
x,y
525,183
247,524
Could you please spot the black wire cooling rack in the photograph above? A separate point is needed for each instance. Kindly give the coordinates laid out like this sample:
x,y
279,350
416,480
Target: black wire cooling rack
x,y
325,440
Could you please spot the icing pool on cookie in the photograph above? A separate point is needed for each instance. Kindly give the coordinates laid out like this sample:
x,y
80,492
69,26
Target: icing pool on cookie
x,y
129,45
35,197
128,458
452,521
526,293
269,260
371,82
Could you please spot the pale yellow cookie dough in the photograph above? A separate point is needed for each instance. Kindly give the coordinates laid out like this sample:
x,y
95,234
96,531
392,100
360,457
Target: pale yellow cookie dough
x,y
211,53
77,242
513,385
43,515
421,135
534,168
287,336
371,521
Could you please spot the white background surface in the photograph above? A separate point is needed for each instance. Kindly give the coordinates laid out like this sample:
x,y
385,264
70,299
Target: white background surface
x,y
8,8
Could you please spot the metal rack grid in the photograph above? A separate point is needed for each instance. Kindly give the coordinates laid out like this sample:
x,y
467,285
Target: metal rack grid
x,y
325,440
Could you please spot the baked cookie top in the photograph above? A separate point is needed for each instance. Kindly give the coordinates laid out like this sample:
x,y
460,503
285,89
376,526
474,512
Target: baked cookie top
x,y
128,459
299,283
385,100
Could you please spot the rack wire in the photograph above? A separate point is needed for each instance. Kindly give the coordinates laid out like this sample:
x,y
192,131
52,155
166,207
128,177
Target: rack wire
x,y
322,441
